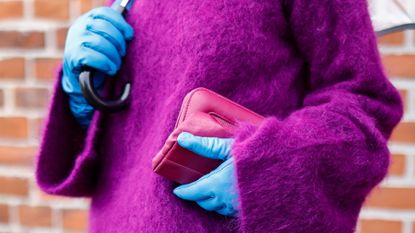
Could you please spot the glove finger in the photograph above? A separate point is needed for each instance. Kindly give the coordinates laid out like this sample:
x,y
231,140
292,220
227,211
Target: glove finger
x,y
195,191
109,32
209,147
81,105
116,19
211,204
102,45
96,60
204,188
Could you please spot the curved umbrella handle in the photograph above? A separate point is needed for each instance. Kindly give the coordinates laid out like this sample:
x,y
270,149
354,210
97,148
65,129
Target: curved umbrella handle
x,y
397,28
87,88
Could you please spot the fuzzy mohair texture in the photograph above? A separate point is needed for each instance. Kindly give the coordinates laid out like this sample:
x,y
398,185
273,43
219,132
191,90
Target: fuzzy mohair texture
x,y
312,67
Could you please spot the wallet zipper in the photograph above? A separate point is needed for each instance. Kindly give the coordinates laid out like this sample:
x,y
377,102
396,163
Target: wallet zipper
x,y
222,120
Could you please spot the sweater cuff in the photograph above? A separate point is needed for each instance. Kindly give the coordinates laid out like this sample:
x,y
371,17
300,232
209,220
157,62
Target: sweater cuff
x,y
67,158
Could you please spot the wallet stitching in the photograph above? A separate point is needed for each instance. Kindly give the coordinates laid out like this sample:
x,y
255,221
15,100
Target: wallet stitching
x,y
232,102
187,106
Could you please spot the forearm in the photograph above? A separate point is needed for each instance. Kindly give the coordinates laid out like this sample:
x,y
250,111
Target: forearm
x,y
312,170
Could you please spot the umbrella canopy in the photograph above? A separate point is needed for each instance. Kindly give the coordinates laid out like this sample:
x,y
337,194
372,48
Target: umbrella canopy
x,y
392,15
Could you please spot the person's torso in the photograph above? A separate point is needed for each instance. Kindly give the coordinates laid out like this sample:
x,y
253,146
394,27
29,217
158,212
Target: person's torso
x,y
242,49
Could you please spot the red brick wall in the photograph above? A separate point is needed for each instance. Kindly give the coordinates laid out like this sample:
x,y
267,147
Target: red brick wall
x,y
32,36
391,207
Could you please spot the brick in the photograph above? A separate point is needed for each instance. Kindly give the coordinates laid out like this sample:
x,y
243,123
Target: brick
x,y
86,5
11,9
404,96
37,127
14,186
4,213
29,98
12,68
22,40
394,198
13,127
35,216
380,226
46,68
61,34
404,132
75,220
397,167
400,65
17,156
54,10
394,39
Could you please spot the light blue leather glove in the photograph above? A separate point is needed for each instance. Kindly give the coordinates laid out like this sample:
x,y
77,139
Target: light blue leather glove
x,y
216,191
97,39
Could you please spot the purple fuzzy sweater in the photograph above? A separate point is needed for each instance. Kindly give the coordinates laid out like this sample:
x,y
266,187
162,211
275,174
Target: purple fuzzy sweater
x,y
311,67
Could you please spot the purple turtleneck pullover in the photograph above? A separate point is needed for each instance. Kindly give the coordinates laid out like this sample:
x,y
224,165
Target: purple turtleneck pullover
x,y
311,67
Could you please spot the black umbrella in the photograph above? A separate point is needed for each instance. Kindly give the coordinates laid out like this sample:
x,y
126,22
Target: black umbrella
x,y
390,16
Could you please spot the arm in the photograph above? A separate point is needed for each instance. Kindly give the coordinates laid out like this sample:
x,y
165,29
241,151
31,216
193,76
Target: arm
x,y
67,163
312,171
67,159
97,39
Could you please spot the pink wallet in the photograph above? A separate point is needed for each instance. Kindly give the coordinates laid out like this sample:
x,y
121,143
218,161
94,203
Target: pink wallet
x,y
203,113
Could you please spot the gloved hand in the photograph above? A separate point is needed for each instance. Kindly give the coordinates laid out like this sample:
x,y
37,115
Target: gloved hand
x,y
97,39
216,191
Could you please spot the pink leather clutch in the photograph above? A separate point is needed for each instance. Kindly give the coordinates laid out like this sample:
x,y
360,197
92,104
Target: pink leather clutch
x,y
203,113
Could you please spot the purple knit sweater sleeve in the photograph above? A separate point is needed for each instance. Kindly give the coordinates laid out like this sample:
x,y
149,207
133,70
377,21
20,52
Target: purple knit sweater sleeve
x,y
312,171
67,159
